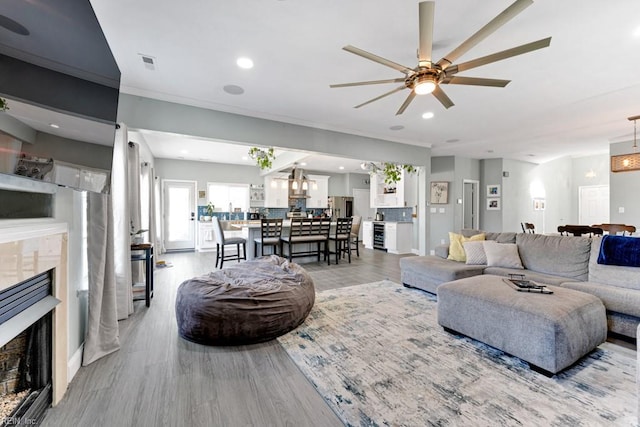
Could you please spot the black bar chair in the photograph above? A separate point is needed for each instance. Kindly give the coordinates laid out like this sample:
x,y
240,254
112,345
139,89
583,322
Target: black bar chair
x,y
341,238
270,233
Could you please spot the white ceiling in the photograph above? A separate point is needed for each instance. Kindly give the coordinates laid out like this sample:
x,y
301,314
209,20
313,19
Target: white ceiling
x,y
572,98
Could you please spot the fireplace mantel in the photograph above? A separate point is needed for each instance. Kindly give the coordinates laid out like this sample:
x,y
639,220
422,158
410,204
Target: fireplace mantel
x,y
29,247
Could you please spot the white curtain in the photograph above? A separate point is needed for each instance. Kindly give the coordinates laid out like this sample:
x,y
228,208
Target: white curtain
x,y
109,258
133,154
102,328
122,223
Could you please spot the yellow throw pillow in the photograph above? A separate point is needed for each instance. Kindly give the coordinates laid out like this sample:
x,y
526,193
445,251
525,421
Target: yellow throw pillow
x,y
456,250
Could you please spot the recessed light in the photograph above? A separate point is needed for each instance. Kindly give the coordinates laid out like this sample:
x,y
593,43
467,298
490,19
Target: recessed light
x,y
636,32
397,127
184,152
245,158
303,163
531,155
341,168
233,90
489,151
451,141
427,115
245,63
55,126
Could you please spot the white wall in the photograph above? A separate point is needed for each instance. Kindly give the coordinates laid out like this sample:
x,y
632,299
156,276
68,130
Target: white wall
x,y
587,171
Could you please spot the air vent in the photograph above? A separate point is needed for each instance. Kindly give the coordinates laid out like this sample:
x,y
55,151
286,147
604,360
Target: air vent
x,y
148,61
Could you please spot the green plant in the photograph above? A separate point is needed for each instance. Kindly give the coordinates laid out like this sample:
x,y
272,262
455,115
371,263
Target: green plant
x,y
133,231
3,104
264,158
392,172
210,208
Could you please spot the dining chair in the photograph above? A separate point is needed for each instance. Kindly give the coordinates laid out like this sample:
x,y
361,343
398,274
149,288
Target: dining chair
x,y
341,238
270,233
222,241
305,231
528,227
355,234
614,229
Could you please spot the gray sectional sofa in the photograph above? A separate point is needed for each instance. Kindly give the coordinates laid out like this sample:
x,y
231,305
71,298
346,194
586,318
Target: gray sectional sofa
x,y
566,261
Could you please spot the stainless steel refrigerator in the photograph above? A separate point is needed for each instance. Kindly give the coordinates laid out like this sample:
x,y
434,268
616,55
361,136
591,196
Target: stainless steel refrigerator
x,y
340,206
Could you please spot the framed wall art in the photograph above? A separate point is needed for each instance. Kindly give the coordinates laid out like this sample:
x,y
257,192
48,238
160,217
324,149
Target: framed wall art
x,y
493,204
439,193
493,190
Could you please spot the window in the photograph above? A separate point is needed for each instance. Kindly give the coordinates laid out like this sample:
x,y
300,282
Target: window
x,y
221,195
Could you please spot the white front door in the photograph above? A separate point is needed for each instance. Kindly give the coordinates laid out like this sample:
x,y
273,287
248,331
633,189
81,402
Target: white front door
x,y
179,215
593,204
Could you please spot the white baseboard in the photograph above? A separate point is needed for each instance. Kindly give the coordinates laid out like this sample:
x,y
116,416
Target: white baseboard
x,y
73,366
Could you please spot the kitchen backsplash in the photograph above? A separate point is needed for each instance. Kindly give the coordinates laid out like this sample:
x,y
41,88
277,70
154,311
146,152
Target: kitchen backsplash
x,y
396,214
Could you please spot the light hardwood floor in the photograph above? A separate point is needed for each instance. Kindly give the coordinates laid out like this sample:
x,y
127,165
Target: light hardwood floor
x,y
159,379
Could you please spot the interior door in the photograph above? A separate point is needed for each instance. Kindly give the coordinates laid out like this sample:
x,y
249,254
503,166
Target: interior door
x,y
470,204
593,204
179,215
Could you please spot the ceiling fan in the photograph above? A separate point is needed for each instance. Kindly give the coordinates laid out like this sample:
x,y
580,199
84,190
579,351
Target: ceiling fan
x,y
428,76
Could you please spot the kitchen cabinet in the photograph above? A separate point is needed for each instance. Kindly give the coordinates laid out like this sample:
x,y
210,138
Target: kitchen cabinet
x,y
206,236
398,237
319,193
387,195
367,234
276,191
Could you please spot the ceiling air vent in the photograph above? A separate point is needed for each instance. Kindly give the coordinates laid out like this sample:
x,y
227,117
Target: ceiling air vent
x,y
149,62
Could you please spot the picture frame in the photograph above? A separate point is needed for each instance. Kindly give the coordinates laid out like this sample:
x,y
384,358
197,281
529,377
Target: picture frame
x,y
493,204
439,192
493,190
538,204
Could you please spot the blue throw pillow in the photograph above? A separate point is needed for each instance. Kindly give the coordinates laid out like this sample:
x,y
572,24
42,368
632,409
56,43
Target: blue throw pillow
x,y
620,250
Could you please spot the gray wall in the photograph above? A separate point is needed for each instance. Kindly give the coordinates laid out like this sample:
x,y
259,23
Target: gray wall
x,y
624,188
441,223
71,151
490,174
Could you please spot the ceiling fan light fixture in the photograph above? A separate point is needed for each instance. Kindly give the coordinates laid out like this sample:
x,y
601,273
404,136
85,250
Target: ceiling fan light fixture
x,y
424,85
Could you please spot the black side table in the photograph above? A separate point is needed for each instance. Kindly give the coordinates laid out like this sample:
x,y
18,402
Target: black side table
x,y
147,257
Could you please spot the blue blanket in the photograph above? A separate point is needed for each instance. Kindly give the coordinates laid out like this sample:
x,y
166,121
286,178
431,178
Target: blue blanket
x,y
620,250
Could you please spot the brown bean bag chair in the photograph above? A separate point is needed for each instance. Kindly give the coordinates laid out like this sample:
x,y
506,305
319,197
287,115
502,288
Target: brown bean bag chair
x,y
251,302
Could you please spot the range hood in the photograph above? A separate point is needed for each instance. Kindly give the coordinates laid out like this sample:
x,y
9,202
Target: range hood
x,y
298,184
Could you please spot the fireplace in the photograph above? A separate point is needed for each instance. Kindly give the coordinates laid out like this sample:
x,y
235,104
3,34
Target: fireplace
x,y
25,361
33,317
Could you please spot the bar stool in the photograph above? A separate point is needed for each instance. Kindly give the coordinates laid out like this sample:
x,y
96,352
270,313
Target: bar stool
x,y
355,234
270,231
222,241
342,238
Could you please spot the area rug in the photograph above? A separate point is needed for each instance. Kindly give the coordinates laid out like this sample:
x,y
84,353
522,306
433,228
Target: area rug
x,y
378,357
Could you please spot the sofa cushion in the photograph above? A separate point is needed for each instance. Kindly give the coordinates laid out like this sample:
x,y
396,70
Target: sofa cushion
x,y
438,269
474,252
456,251
442,251
502,255
624,277
500,237
620,300
565,256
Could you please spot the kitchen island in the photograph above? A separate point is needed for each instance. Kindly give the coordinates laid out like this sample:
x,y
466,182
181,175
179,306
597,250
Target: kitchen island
x,y
251,231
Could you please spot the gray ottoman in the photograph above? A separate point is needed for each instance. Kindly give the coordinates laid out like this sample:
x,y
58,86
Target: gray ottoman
x,y
551,332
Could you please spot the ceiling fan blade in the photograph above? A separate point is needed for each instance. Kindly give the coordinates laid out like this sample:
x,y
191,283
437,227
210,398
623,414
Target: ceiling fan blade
x,y
499,56
378,59
371,82
391,92
474,81
493,25
442,97
425,19
406,103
